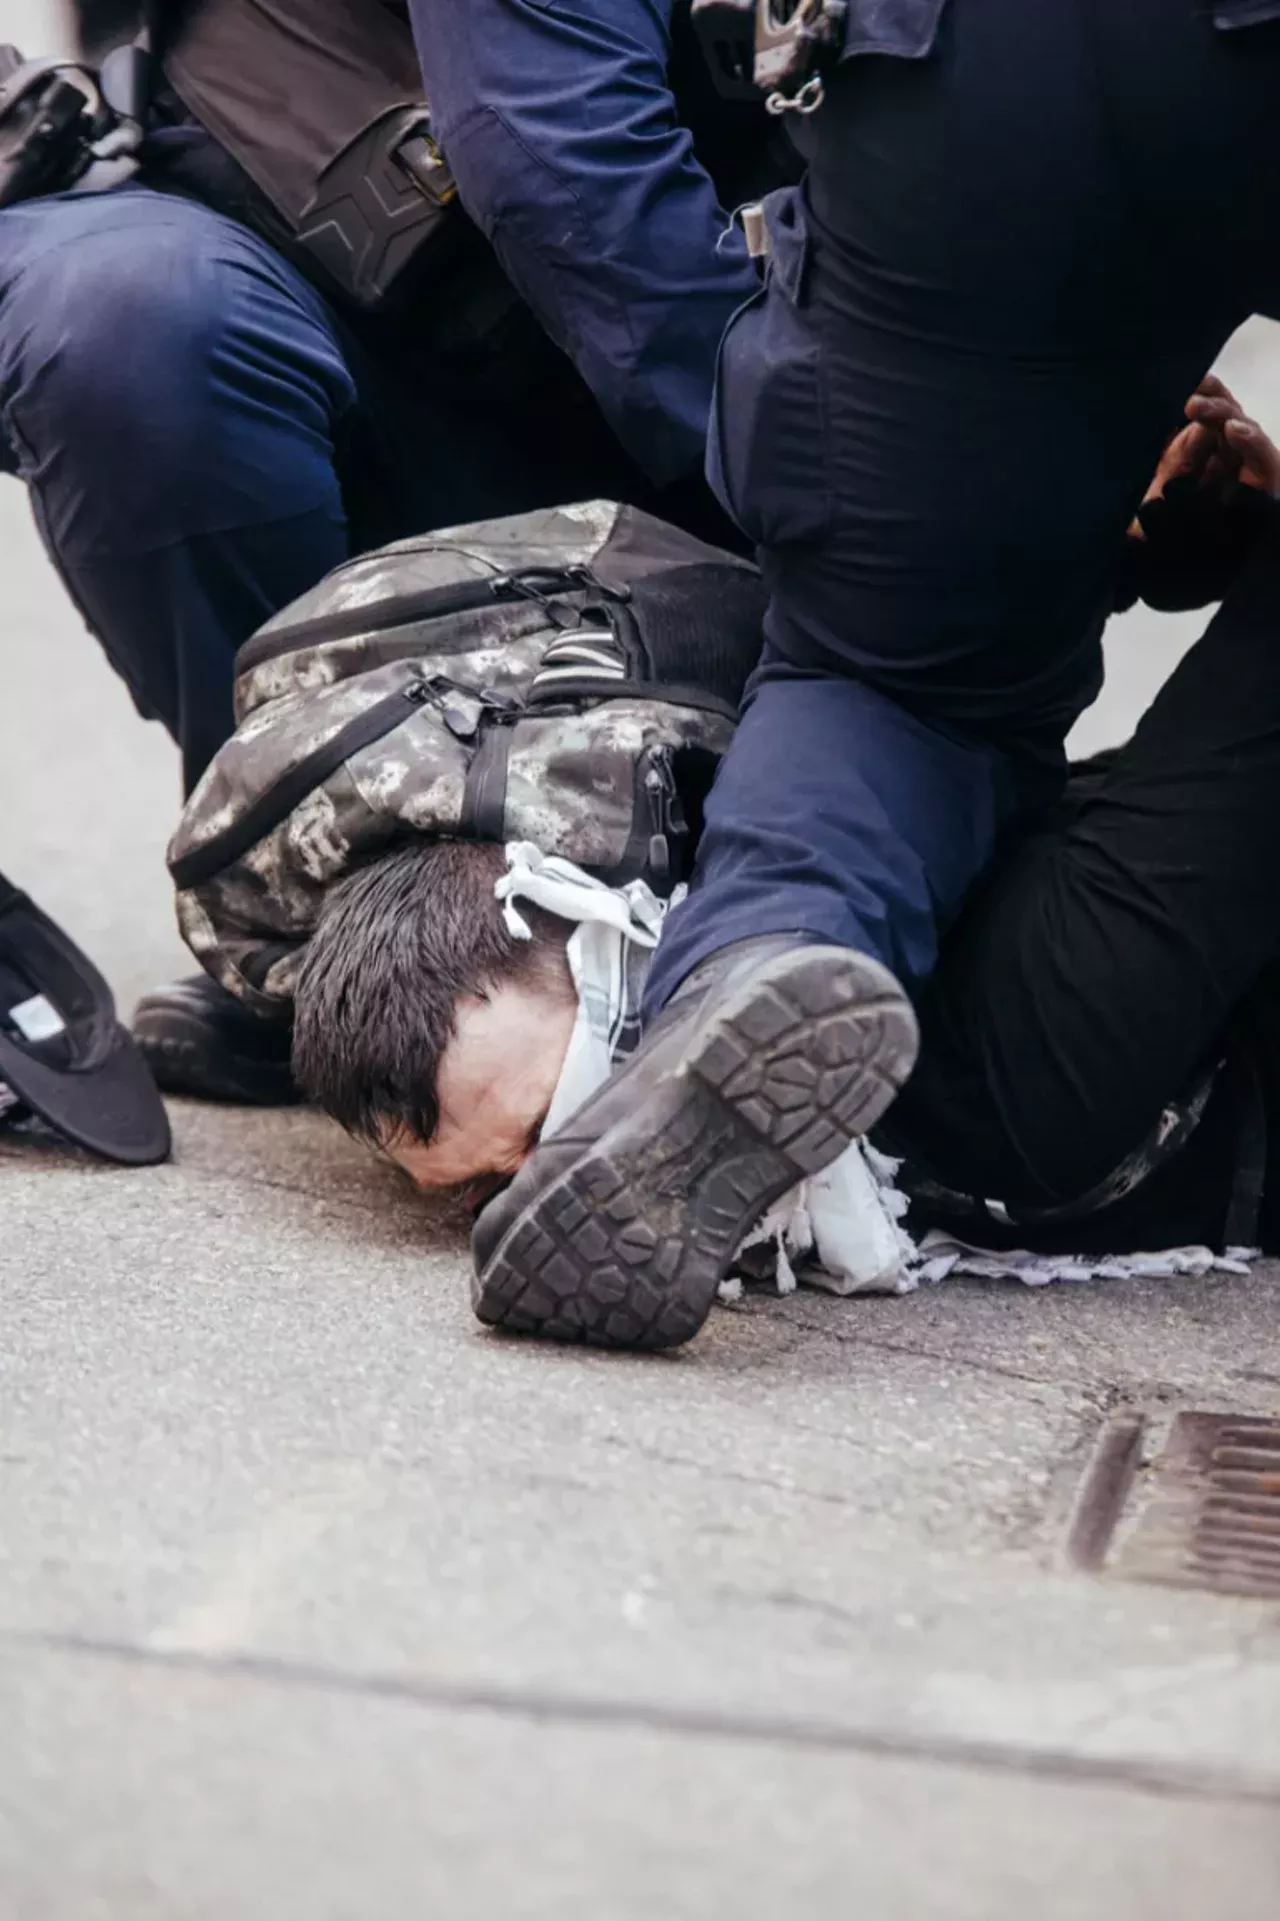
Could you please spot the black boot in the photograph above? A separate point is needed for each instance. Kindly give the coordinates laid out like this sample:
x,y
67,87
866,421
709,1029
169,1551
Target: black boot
x,y
772,1057
198,1039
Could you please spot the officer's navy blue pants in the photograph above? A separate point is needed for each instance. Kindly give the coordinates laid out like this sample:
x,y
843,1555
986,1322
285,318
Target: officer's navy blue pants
x,y
1010,265
193,421
171,393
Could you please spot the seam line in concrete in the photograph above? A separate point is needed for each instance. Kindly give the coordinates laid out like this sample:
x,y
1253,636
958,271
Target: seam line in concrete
x,y
695,1723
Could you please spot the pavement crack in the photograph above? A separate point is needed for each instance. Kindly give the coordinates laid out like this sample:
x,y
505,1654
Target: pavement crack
x,y
539,1705
956,1362
791,1600
1130,1388
717,1471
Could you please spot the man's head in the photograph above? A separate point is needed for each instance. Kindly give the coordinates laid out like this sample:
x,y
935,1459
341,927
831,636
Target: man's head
x,y
423,1025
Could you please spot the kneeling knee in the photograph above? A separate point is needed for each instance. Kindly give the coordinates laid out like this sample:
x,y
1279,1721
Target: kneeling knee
x,y
144,336
102,336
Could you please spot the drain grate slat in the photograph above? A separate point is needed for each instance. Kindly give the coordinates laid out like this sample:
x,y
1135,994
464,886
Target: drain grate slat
x,y
1204,1512
1263,1506
1256,1564
1246,1527
1232,1554
1237,1482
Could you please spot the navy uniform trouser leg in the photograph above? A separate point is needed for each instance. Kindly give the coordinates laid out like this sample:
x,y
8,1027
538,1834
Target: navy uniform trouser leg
x,y
171,391
979,325
873,870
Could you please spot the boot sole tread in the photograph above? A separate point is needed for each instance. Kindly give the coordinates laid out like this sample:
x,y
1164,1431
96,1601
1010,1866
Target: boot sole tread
x,y
628,1247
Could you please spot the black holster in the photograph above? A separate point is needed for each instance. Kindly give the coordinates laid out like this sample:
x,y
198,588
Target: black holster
x,y
51,115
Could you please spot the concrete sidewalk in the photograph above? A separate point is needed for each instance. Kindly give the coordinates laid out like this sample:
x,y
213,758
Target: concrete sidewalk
x,y
318,1604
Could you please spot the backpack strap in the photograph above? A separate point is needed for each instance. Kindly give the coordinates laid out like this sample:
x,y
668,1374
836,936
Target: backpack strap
x,y
207,858
484,797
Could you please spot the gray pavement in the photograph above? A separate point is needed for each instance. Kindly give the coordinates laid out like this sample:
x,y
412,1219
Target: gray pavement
x,y
319,1604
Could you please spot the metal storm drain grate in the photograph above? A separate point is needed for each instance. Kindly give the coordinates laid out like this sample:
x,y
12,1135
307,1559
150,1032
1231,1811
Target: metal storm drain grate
x,y
1202,1510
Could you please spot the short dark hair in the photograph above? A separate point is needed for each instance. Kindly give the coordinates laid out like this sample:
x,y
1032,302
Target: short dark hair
x,y
399,943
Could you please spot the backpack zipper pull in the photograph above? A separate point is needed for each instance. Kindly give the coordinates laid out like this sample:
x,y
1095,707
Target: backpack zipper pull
x,y
589,578
462,723
666,816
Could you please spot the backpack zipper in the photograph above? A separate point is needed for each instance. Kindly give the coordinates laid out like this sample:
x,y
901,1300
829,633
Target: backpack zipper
x,y
667,824
430,603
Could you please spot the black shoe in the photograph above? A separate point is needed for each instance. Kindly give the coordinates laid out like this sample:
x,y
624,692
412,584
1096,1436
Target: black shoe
x,y
768,1062
198,1039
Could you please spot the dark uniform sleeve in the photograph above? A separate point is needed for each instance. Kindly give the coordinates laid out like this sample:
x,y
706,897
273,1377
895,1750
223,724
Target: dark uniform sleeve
x,y
560,126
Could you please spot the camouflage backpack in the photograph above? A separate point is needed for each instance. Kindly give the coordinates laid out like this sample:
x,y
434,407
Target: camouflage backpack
x,y
568,677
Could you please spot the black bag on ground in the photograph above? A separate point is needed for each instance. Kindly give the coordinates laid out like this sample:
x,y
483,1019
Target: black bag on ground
x,y
569,677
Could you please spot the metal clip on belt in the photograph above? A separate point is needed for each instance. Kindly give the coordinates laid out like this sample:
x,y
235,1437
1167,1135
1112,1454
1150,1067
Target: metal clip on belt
x,y
776,47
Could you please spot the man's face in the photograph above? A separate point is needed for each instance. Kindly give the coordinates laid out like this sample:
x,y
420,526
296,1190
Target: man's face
x,y
494,1087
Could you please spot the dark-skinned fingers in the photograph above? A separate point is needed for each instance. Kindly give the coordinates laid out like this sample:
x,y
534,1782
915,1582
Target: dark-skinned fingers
x,y
1258,454
1214,413
1182,459
1214,388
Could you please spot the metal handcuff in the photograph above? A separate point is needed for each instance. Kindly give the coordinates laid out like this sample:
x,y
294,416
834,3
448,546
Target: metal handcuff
x,y
776,48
